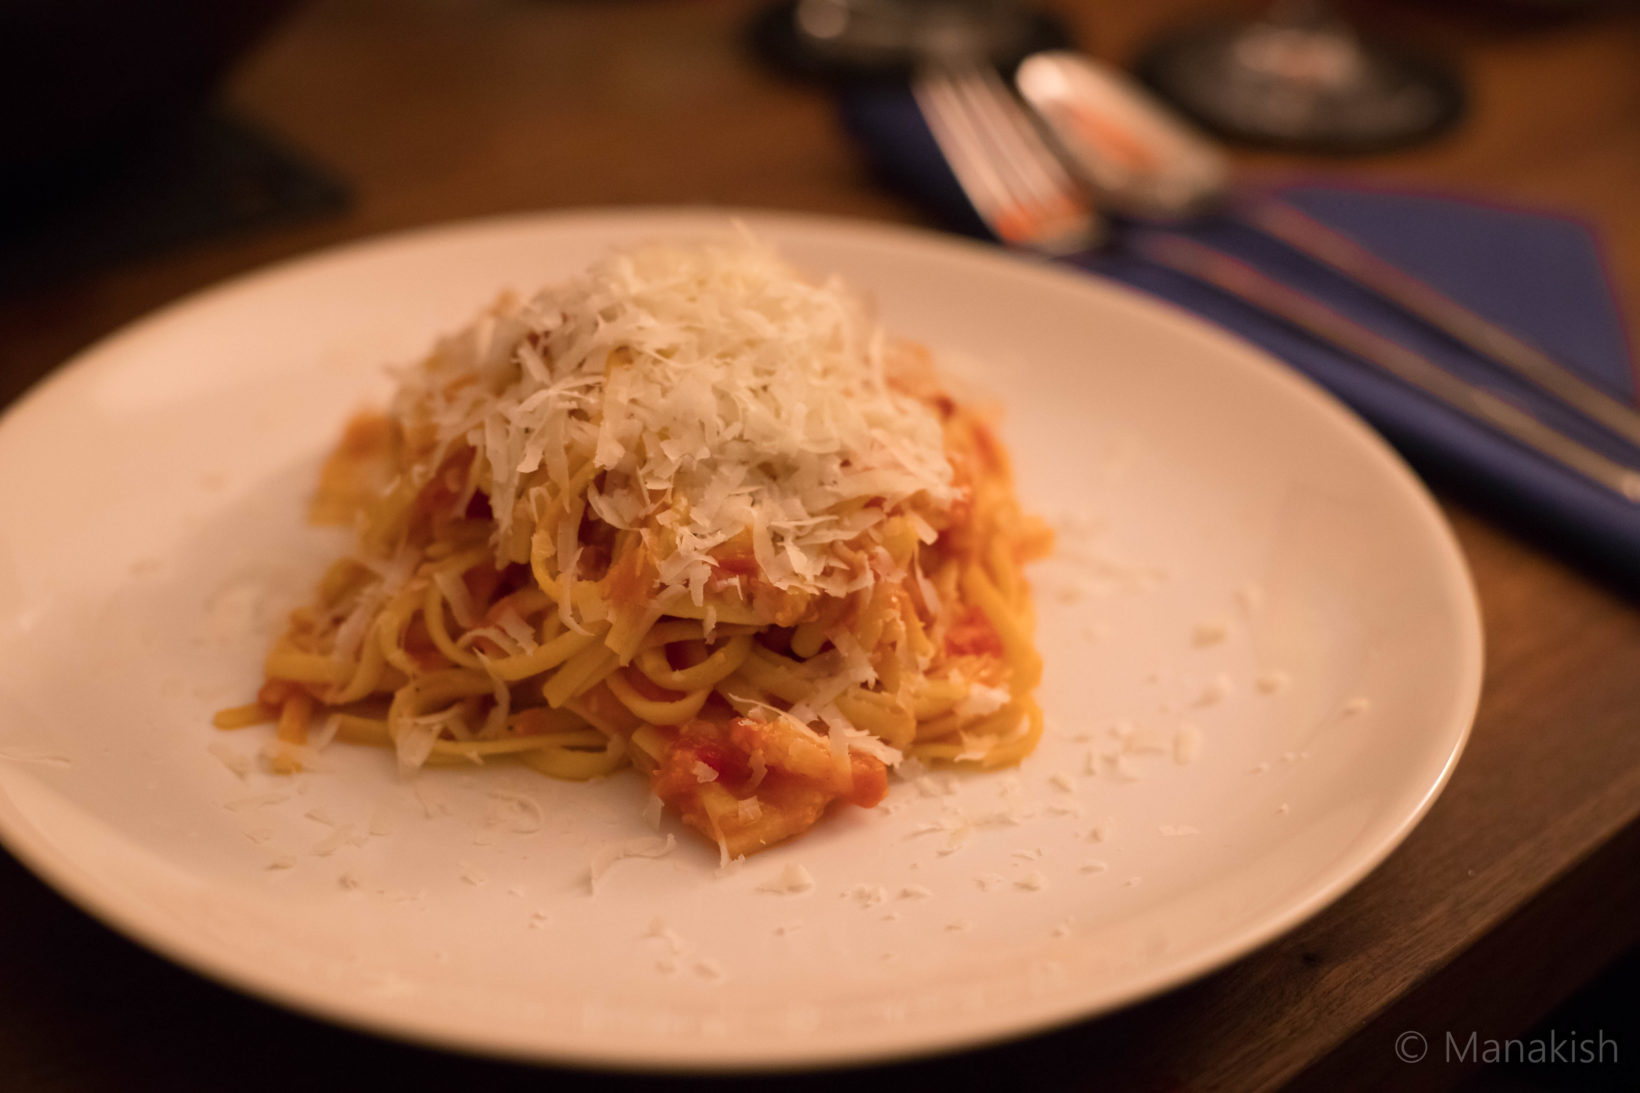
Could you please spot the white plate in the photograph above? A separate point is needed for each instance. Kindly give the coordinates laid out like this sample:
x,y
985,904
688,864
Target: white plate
x,y
152,495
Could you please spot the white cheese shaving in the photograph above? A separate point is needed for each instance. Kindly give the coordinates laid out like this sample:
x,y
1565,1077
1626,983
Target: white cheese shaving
x,y
1217,690
519,632
868,895
857,663
790,881
415,742
433,801
341,835
236,761
652,811
605,857
843,737
1187,744
517,812
260,800
659,930
704,772
456,595
982,699
1210,632
394,574
1273,682
708,381
284,755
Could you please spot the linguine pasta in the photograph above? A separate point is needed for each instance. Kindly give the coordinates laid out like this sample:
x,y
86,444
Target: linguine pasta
x,y
687,512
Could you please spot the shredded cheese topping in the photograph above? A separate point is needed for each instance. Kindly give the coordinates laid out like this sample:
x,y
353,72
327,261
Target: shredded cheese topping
x,y
719,394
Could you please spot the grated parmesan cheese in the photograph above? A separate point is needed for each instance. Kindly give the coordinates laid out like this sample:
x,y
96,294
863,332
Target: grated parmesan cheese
x,y
1187,744
517,812
236,761
653,808
982,699
790,881
1217,690
341,835
605,857
1210,632
1273,682
718,392
868,895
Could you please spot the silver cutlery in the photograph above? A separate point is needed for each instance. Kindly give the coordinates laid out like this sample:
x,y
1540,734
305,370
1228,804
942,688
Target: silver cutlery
x,y
1021,188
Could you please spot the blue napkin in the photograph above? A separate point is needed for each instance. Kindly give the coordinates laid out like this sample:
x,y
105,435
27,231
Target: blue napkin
x,y
1541,276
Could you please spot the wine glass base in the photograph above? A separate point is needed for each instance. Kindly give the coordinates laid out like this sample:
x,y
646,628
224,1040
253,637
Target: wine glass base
x,y
777,37
1303,89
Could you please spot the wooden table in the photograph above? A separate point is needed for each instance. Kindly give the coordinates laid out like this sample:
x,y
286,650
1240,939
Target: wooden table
x,y
1517,887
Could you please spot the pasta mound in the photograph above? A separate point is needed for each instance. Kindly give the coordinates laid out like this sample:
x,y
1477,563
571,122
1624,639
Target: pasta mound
x,y
688,512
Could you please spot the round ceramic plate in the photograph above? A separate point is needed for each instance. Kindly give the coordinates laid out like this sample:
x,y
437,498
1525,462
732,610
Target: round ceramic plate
x,y
1262,646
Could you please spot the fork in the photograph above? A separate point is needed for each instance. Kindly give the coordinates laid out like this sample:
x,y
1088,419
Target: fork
x,y
1021,189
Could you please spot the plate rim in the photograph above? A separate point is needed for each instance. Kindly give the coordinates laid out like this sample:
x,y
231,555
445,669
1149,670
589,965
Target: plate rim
x,y
201,958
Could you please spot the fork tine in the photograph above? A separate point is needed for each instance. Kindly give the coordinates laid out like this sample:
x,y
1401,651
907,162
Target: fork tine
x,y
1012,178
959,140
1011,133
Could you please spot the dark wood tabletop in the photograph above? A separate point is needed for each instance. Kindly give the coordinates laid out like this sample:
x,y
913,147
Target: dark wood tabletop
x,y
1519,886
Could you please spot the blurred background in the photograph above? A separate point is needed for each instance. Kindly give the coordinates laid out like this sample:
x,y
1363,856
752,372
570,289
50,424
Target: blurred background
x,y
346,117
149,149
